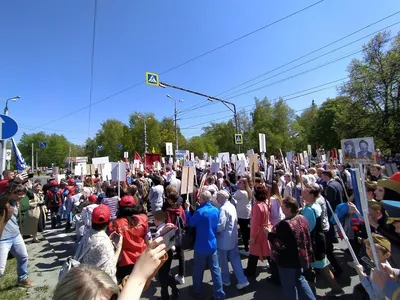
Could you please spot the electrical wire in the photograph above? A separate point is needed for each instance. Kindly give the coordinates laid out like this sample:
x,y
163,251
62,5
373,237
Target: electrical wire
x,y
184,63
310,53
281,97
92,64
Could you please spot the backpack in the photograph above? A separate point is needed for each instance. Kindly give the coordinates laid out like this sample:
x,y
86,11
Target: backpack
x,y
53,198
318,239
180,232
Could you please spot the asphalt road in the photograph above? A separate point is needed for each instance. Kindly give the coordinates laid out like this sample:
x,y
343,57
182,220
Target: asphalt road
x,y
63,245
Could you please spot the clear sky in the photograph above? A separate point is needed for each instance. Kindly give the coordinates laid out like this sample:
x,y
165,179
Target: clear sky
x,y
46,46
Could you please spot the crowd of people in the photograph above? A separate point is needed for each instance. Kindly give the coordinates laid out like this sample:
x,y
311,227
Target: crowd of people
x,y
127,233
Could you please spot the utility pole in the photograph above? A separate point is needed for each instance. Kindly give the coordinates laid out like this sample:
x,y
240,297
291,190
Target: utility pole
x,y
37,160
145,132
175,120
145,136
33,158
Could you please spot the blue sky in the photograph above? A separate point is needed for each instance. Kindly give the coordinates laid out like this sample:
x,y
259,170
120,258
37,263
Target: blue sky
x,y
46,45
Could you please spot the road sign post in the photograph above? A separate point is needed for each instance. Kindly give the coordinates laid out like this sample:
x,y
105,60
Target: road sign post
x,y
8,128
152,79
238,139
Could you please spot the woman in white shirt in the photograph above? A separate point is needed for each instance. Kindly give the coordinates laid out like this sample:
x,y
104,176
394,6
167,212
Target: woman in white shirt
x,y
242,198
276,214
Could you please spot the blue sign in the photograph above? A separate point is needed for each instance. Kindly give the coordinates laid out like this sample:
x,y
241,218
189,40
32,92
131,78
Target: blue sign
x,y
99,148
181,154
42,145
152,79
8,127
120,147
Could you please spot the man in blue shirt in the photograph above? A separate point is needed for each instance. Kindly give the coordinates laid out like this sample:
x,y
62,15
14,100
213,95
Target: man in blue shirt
x,y
205,219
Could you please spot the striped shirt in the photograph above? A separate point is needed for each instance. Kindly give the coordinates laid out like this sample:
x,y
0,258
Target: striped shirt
x,y
113,204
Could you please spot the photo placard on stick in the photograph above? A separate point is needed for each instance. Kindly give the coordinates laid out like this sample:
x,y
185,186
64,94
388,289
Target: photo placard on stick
x,y
100,160
358,150
253,162
224,157
241,156
118,171
214,167
240,167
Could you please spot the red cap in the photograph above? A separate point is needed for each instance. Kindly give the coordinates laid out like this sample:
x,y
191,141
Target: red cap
x,y
54,183
396,177
71,182
101,214
127,201
92,198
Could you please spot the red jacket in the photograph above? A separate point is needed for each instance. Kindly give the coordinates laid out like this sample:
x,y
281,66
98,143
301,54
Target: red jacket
x,y
133,237
172,212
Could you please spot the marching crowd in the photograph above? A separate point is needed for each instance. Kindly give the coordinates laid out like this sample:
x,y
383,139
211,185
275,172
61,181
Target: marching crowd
x,y
287,221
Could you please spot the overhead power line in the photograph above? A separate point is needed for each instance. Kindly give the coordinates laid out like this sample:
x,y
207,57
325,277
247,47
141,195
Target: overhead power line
x,y
282,97
199,105
186,62
92,64
312,52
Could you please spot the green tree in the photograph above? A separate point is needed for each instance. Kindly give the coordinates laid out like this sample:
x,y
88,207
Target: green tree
x,y
55,153
136,125
112,134
274,120
375,84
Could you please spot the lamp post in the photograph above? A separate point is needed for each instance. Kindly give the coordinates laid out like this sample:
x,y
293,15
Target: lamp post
x,y
175,120
4,142
145,132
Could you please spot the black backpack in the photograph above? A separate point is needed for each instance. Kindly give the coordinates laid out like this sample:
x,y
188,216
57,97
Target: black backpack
x,y
180,232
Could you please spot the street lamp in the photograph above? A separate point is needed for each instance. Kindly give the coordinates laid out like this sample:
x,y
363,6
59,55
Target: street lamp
x,y
145,131
176,125
10,99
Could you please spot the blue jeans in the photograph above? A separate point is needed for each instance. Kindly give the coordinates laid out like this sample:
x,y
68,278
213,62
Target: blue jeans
x,y
232,256
294,285
200,261
16,246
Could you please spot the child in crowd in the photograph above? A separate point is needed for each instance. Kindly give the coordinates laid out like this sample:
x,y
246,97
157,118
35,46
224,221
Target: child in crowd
x,y
368,285
176,215
164,274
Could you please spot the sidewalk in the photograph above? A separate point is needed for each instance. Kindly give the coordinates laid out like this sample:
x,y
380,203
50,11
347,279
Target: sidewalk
x,y
45,260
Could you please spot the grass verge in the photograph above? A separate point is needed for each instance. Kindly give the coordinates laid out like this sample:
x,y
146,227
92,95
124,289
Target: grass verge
x,y
9,290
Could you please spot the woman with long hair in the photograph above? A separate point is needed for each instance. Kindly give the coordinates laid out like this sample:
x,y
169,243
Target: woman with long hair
x,y
259,246
242,198
132,225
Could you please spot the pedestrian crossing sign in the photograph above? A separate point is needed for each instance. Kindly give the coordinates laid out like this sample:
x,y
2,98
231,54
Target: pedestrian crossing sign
x,y
152,79
239,139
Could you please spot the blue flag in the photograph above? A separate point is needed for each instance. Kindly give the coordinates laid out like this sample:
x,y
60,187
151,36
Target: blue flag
x,y
19,160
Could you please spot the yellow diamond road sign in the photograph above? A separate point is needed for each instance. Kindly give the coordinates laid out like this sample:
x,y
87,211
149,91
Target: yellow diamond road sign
x,y
152,79
238,139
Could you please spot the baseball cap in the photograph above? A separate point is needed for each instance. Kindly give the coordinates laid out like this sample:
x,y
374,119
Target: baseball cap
x,y
92,198
101,214
54,183
127,201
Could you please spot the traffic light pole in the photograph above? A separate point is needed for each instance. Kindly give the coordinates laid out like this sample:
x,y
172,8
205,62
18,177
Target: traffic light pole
x,y
210,98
